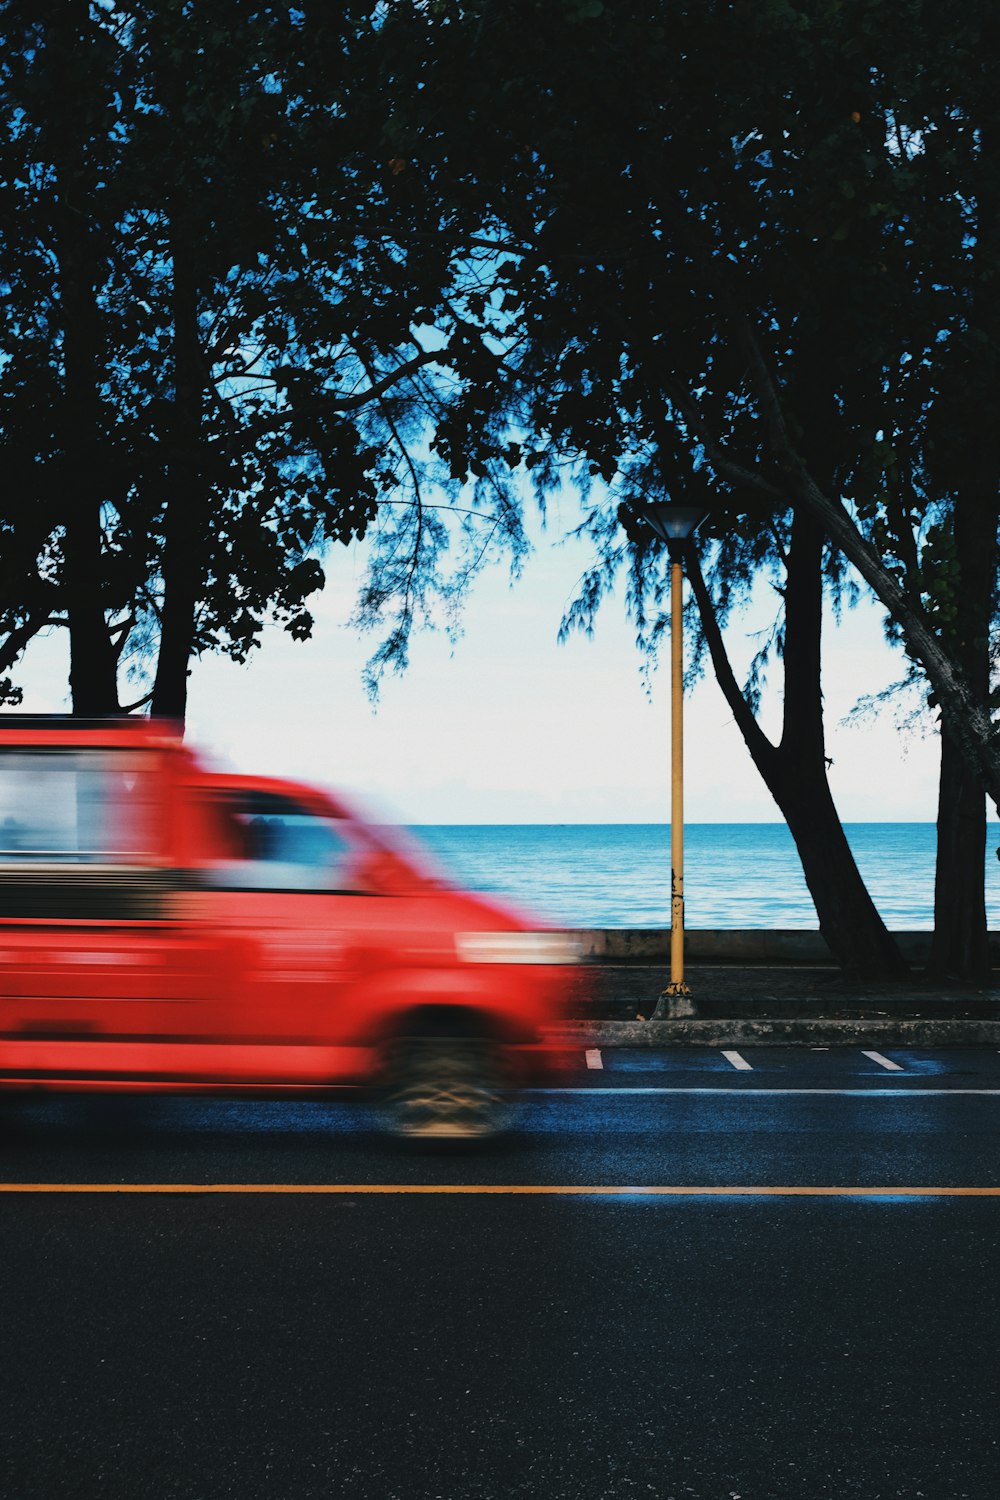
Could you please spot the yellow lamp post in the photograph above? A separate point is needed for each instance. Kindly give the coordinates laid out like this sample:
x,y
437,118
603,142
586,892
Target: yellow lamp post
x,y
675,525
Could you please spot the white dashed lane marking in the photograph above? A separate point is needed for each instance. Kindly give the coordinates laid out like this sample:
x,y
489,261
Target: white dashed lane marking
x,y
883,1062
594,1058
738,1062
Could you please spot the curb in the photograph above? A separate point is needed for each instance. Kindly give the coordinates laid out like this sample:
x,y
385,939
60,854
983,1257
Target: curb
x,y
821,1031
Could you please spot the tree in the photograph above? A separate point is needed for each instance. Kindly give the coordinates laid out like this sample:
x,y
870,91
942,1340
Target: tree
x,y
224,357
795,768
745,239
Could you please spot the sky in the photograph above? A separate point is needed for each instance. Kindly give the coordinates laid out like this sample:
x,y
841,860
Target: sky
x,y
508,726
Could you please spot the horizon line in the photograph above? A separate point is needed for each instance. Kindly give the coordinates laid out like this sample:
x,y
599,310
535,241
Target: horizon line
x,y
659,823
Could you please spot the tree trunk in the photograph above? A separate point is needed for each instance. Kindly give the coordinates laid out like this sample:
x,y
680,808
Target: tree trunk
x,y
855,933
960,946
185,517
93,660
795,771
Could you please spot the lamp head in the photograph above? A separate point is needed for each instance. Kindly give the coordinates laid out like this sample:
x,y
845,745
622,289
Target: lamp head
x,y
673,524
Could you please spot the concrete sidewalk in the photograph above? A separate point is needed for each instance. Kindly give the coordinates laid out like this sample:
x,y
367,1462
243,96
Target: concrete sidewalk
x,y
613,1003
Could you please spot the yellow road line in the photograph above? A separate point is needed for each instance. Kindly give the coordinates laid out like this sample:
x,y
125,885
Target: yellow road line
x,y
601,1190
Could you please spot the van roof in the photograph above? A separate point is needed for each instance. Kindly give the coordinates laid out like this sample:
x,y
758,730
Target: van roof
x,y
69,729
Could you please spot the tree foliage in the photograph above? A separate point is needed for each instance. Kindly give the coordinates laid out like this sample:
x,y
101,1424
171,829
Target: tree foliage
x,y
745,251
221,354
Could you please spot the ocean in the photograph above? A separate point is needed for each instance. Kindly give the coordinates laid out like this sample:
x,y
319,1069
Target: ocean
x,y
736,874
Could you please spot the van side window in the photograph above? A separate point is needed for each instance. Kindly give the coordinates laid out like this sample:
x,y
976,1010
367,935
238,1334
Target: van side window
x,y
273,843
75,806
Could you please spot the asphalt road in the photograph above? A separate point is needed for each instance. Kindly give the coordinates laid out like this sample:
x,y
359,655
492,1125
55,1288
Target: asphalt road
x,y
650,1340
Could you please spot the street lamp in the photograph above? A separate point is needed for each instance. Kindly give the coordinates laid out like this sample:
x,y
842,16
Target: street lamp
x,y
675,525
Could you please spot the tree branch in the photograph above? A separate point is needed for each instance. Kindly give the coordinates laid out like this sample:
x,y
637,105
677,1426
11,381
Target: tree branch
x,y
757,742
968,721
724,466
19,638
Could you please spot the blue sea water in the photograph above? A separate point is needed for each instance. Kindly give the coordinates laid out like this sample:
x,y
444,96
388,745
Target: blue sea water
x,y
736,874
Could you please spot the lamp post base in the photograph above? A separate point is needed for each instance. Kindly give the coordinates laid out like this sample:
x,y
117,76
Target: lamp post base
x,y
674,1003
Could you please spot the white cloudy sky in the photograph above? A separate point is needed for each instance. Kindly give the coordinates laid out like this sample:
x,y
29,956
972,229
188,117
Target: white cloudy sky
x,y
509,726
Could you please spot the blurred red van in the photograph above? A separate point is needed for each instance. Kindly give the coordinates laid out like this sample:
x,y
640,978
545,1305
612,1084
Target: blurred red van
x,y
165,927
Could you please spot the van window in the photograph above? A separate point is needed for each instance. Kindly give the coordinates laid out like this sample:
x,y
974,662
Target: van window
x,y
274,843
75,807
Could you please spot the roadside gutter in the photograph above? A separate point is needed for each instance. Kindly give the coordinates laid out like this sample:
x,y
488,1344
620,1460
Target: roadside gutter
x,y
780,1032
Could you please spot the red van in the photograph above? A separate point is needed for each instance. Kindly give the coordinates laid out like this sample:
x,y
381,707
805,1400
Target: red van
x,y
165,927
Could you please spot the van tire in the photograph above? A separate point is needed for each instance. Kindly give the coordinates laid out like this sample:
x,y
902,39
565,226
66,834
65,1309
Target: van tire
x,y
441,1088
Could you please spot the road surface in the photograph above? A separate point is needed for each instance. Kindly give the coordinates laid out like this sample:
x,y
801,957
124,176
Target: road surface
x,y
749,1274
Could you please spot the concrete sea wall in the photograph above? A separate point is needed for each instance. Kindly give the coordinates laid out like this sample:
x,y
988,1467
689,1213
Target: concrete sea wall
x,y
735,945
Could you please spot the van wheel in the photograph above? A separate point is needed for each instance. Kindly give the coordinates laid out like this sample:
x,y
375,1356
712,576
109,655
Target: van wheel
x,y
446,1089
